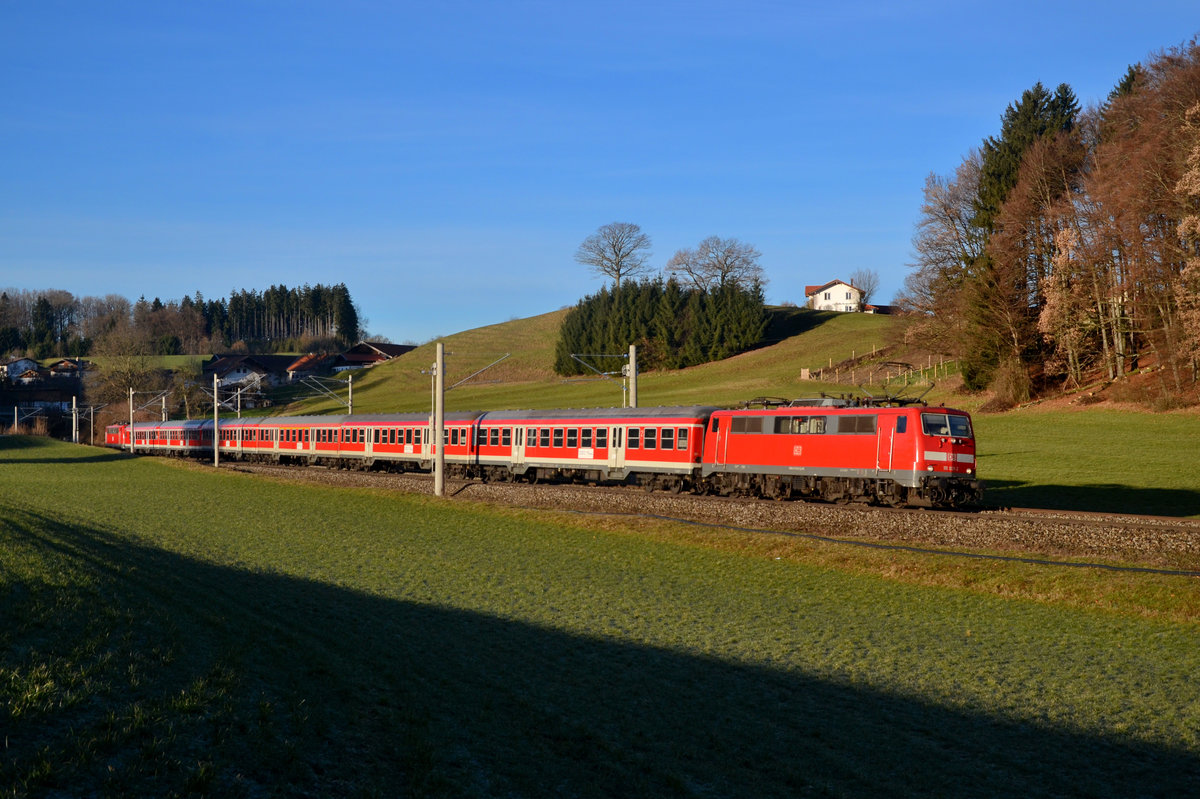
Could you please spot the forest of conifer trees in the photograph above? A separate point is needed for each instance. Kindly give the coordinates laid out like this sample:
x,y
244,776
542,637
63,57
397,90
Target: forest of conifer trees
x,y
53,323
673,327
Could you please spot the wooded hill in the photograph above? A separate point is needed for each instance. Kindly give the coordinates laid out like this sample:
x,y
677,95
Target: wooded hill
x,y
1068,246
54,323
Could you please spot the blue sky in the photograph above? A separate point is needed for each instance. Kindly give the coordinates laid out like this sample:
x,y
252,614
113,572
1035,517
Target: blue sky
x,y
444,160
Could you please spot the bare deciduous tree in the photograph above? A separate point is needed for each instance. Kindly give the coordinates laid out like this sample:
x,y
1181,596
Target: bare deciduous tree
x,y
866,281
946,242
617,250
718,262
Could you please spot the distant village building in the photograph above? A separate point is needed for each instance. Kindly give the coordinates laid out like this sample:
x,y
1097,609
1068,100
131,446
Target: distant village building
x,y
239,370
17,367
67,367
311,365
834,296
369,353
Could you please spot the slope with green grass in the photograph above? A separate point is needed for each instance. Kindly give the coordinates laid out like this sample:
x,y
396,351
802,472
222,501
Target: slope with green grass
x,y
797,339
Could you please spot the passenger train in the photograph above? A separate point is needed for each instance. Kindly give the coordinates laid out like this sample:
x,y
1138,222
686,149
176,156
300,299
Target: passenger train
x,y
830,450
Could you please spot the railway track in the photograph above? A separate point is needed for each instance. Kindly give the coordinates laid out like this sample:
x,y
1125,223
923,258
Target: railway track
x,y
1153,542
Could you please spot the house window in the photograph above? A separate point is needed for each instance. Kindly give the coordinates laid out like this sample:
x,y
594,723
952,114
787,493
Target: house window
x,y
828,294
848,295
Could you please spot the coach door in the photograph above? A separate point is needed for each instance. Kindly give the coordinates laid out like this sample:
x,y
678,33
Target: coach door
x,y
518,446
616,448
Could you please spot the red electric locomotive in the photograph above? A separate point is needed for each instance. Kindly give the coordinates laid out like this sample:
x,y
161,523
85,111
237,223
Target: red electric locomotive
x,y
889,455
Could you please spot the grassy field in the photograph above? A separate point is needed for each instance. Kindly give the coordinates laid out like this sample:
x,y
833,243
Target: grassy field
x,y
1094,459
168,630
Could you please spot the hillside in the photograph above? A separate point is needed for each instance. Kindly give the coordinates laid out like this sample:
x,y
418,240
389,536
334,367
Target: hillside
x,y
796,339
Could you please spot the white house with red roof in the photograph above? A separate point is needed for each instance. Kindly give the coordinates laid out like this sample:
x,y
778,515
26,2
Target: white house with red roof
x,y
835,295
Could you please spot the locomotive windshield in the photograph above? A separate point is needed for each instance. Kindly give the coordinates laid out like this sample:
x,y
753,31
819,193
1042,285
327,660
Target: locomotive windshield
x,y
946,424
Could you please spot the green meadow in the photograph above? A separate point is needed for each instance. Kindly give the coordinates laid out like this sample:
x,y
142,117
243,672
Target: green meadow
x,y
1115,461
171,630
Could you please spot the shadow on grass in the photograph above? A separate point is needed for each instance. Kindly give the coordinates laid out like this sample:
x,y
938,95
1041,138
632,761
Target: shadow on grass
x,y
1101,498
156,674
784,323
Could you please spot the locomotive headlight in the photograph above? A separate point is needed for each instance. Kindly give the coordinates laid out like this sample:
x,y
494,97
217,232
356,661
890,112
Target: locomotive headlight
x,y
929,468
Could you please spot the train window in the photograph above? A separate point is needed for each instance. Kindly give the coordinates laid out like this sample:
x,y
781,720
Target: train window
x,y
650,438
816,424
668,438
601,438
585,437
682,438
494,435
946,424
901,424
746,424
306,436
960,426
506,437
858,423
635,438
715,423
572,437
544,437
558,436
